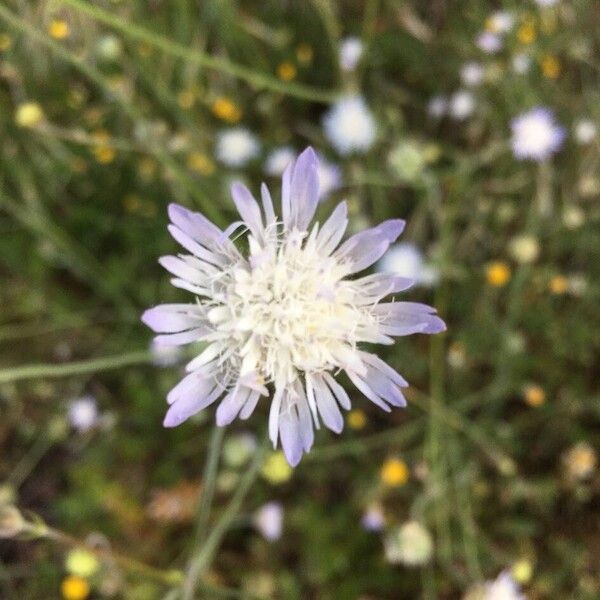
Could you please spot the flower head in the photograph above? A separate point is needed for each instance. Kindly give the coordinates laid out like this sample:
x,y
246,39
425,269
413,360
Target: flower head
x,y
536,135
410,544
585,131
83,413
351,50
462,104
288,316
504,587
349,125
278,160
472,74
489,42
437,106
406,260
500,21
268,519
236,147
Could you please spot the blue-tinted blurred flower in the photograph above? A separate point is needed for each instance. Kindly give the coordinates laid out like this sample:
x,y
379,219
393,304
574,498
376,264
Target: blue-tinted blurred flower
x,y
585,131
268,519
406,260
236,147
286,315
462,104
83,413
536,135
504,587
521,63
373,518
489,42
278,160
351,49
472,74
350,126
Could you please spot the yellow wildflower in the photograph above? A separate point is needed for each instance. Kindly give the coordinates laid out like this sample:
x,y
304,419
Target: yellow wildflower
x,y
286,71
357,419
59,29
225,109
497,273
526,33
200,163
534,395
394,472
29,114
581,460
522,571
276,469
81,563
75,588
558,285
550,66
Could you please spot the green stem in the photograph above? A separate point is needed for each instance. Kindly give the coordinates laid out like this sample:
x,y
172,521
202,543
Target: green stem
x,y
81,367
256,79
202,560
209,480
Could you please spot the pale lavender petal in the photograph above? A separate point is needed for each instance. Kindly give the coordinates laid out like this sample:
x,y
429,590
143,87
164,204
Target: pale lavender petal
x,y
172,318
382,284
291,441
185,337
304,192
267,204
231,405
333,229
367,391
247,207
250,405
405,318
182,269
328,408
366,247
274,416
194,247
304,418
189,396
374,361
338,391
194,224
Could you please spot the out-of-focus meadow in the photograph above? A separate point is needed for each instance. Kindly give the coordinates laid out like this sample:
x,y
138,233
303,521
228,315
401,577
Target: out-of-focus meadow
x,y
109,110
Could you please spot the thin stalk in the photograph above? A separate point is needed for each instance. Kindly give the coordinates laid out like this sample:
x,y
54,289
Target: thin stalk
x,y
29,462
202,559
82,367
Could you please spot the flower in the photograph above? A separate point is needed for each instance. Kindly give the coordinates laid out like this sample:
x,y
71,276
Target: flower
x,y
276,469
286,71
521,63
29,114
580,460
58,29
373,518
268,519
409,544
536,135
226,109
497,273
585,131
357,419
349,125
394,472
406,260
437,106
472,73
524,248
408,161
504,587
74,587
558,285
82,563
489,42
534,395
522,570
238,449
286,316
237,146
351,50
550,66
500,21
83,413
462,104
278,160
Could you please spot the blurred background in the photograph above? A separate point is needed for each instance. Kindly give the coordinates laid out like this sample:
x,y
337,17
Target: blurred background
x,y
474,121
